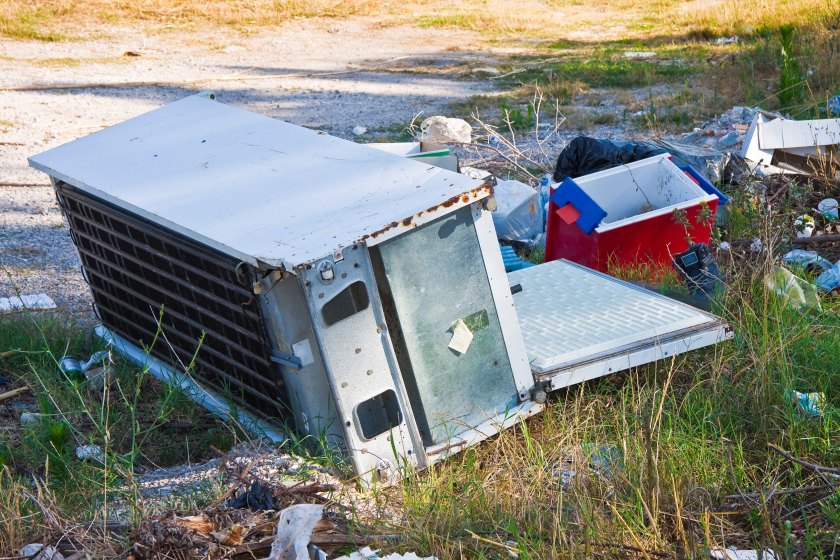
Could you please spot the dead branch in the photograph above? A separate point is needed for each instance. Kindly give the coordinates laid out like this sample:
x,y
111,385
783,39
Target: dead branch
x,y
816,240
507,143
819,469
502,154
772,493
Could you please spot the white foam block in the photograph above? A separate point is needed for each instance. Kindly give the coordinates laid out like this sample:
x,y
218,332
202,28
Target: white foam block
x,y
27,301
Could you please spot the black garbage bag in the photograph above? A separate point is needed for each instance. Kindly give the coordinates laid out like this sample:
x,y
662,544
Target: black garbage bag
x,y
586,155
257,498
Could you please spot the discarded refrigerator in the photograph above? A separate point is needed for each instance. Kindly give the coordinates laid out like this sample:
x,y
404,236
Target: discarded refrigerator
x,y
351,295
638,213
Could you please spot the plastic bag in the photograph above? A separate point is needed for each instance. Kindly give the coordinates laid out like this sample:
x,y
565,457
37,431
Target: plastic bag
x,y
799,293
519,213
830,279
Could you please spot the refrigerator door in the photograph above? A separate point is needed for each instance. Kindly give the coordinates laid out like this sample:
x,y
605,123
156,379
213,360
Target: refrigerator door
x,y
579,324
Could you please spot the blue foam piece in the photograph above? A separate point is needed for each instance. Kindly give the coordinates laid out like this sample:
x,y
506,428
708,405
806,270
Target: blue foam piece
x,y
570,192
512,260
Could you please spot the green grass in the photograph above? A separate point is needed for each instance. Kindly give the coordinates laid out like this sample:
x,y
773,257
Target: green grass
x,y
137,421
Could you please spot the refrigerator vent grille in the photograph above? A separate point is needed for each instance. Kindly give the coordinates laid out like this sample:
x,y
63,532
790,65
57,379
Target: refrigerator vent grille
x,y
143,275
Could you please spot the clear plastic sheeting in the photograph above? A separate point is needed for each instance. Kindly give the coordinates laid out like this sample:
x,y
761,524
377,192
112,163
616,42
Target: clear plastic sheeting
x,y
519,213
800,294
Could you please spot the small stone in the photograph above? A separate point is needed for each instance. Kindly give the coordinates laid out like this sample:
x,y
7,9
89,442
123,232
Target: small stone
x,y
37,551
90,453
359,130
30,418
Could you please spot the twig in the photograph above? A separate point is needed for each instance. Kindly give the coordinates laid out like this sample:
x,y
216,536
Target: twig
x,y
510,145
8,354
241,476
772,493
13,393
25,185
812,466
510,549
512,162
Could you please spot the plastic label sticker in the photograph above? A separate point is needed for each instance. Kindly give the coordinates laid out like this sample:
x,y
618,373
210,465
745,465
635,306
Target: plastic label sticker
x,y
461,337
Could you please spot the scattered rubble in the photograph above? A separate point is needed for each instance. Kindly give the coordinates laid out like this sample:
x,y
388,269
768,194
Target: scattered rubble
x,y
774,144
40,552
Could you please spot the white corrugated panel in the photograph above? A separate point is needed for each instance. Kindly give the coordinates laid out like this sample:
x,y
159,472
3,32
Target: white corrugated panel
x,y
569,313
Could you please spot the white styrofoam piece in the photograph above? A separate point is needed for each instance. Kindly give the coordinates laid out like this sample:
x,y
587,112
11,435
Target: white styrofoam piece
x,y
801,138
785,134
660,187
570,314
26,301
252,186
751,149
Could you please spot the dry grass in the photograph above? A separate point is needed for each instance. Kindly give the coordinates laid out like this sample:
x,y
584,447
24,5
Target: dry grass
x,y
588,21
746,17
50,20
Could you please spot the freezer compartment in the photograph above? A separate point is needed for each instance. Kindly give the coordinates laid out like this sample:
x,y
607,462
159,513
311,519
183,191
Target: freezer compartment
x,y
579,324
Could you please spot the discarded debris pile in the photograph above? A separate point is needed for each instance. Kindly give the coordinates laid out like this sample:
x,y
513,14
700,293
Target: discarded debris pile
x,y
771,165
259,514
242,533
263,487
